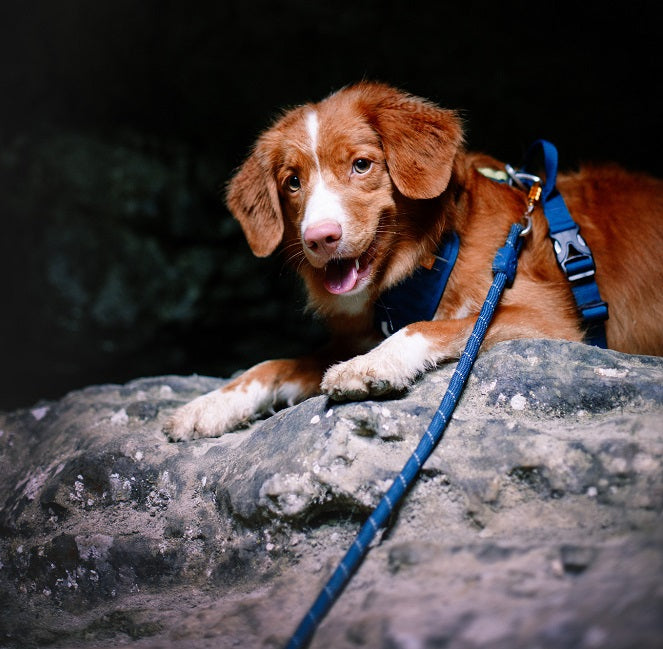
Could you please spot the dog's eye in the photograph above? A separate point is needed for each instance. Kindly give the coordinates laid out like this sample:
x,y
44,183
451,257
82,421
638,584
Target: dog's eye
x,y
361,165
293,183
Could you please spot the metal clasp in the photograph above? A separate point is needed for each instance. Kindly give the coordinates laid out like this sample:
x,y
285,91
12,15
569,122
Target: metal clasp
x,y
533,197
521,179
573,254
528,183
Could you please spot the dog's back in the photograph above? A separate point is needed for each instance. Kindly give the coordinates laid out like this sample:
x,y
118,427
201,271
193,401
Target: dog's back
x,y
621,217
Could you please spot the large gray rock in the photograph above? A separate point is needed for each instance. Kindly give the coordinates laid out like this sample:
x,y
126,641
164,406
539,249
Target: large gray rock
x,y
536,522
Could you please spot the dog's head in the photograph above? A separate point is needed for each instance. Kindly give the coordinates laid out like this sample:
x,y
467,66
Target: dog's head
x,y
329,181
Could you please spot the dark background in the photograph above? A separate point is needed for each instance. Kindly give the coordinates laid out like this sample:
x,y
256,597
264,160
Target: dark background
x,y
120,120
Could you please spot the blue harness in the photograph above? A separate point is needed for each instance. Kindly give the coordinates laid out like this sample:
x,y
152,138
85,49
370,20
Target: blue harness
x,y
418,297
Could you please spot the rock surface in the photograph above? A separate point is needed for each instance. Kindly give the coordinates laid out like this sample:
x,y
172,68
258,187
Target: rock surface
x,y
536,522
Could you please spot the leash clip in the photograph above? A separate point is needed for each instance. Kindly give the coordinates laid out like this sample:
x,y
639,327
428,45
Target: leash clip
x,y
529,183
533,197
521,179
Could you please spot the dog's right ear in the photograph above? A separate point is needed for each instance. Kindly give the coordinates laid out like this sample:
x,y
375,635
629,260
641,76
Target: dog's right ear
x,y
253,199
420,139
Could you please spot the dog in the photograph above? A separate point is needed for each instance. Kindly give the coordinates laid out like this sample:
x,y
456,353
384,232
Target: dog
x,y
359,189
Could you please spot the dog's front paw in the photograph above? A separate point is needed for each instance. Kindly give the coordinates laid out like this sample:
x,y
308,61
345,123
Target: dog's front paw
x,y
359,379
209,415
391,367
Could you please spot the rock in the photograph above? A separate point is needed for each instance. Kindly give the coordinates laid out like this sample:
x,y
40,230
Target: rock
x,y
536,522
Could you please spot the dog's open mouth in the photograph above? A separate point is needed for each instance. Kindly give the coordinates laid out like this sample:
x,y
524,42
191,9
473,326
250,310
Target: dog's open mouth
x,y
343,275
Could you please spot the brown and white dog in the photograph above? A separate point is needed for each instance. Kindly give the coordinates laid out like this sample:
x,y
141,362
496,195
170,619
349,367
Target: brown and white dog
x,y
359,189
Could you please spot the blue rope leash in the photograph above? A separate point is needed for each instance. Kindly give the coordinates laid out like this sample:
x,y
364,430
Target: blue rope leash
x,y
504,270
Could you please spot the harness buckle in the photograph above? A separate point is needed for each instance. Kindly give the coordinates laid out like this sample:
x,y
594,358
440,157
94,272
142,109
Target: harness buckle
x,y
573,254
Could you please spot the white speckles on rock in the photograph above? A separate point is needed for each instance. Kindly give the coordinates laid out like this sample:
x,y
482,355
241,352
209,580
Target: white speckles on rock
x,y
120,488
166,392
518,402
119,417
290,494
78,494
487,388
315,419
93,546
33,483
39,413
611,372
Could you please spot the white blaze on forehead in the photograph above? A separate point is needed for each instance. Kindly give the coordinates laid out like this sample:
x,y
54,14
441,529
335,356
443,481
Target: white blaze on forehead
x,y
323,204
312,127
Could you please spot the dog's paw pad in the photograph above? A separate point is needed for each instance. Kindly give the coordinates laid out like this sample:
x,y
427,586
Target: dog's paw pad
x,y
351,381
209,415
350,391
177,431
182,426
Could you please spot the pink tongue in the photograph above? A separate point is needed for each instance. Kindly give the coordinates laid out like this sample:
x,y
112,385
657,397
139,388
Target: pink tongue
x,y
340,276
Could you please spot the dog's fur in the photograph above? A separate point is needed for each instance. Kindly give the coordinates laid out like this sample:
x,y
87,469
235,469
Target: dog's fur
x,y
374,176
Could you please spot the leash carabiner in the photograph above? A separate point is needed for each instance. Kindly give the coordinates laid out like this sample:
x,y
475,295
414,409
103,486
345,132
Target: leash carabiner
x,y
533,197
530,183
521,179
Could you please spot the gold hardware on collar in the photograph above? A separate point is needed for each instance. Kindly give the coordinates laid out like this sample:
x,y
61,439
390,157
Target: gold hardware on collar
x,y
428,262
534,194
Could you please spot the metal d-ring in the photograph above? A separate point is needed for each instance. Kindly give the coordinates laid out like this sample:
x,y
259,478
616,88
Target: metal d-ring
x,y
528,227
517,177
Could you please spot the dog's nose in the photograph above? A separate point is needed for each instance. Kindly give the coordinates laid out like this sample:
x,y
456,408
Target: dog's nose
x,y
322,238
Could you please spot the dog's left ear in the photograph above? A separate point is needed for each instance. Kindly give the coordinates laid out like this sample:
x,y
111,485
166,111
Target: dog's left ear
x,y
253,199
420,141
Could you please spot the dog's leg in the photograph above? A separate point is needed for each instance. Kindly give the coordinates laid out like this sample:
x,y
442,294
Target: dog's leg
x,y
257,392
399,360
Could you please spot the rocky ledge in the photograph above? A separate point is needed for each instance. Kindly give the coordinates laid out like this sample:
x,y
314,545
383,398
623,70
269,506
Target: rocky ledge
x,y
536,523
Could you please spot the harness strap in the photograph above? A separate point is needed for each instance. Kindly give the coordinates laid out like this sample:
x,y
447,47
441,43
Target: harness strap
x,y
573,254
417,297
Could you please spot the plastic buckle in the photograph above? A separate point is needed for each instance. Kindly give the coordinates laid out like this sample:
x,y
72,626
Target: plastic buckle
x,y
573,254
